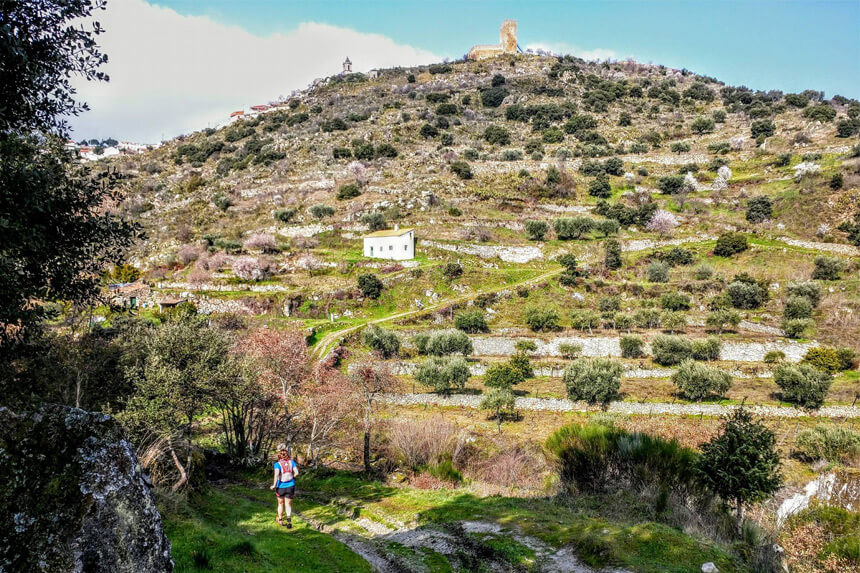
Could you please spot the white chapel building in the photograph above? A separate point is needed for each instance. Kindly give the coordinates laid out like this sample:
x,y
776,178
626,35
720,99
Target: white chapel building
x,y
395,244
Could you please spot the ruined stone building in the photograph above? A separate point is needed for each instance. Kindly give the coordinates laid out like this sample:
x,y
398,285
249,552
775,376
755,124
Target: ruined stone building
x,y
507,43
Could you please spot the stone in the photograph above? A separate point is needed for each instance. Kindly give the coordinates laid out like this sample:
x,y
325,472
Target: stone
x,y
74,496
709,567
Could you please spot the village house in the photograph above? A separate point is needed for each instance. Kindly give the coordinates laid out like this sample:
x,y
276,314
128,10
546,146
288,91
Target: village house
x,y
393,244
129,295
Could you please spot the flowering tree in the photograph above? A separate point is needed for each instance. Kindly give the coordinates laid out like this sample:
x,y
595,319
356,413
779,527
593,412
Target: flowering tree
x,y
358,172
310,263
281,360
261,242
369,380
662,222
252,269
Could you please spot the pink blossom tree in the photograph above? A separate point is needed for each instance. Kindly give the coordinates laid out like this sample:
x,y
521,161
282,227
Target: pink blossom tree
x,y
662,222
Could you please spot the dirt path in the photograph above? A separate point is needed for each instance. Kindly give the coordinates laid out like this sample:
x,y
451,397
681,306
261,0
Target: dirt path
x,y
644,408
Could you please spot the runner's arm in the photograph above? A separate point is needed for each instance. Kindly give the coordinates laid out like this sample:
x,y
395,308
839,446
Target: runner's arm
x,y
275,480
295,468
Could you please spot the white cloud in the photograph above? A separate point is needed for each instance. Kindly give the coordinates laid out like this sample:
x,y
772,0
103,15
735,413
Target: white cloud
x,y
563,48
172,74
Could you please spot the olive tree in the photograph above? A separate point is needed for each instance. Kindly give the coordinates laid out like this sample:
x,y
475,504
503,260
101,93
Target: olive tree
x,y
593,380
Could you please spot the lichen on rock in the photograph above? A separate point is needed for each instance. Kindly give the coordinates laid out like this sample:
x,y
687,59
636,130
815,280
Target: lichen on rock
x,y
73,496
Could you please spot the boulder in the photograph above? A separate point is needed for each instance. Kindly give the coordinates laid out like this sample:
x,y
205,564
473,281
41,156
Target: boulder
x,y
709,567
73,496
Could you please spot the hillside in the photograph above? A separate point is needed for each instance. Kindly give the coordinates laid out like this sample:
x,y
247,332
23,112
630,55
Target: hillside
x,y
704,238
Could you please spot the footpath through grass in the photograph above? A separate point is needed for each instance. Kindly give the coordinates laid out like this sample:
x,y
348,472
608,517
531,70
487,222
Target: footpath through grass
x,y
234,527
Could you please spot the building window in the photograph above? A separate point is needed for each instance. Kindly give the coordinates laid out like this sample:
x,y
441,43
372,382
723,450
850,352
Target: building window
x,y
371,251
390,247
405,247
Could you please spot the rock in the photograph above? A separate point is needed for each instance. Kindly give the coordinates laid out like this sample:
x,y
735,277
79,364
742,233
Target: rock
x,y
74,497
709,567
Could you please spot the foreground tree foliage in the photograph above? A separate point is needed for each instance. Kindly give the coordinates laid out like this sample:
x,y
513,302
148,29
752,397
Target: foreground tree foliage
x,y
741,464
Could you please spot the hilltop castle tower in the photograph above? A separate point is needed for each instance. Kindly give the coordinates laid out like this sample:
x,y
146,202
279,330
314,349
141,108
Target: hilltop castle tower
x,y
347,66
507,43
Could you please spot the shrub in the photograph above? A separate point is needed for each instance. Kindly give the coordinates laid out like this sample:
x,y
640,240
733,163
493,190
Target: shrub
x,y
452,270
381,340
428,131
632,347
375,221
797,307
284,215
762,128
573,227
707,349
461,169
675,301
386,150
536,230
449,342
569,350
370,285
746,295
348,191
680,147
446,139
222,200
671,350
759,209
443,374
721,318
493,96
593,380
471,321
446,109
321,211
821,112
671,184
824,358
729,244
808,289
802,385
552,135
599,187
612,257
837,181
827,268
497,135
594,458
542,319
341,153
703,272
832,443
847,358
503,376
795,328
702,125
676,256
696,381
657,272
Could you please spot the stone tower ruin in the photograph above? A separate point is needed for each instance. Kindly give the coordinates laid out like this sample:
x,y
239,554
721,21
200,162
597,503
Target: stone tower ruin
x,y
507,43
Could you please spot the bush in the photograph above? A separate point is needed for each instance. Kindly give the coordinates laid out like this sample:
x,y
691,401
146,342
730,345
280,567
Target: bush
x,y
348,191
632,347
671,184
536,230
774,356
572,228
707,349
321,211
341,153
827,268
222,201
831,443
675,301
729,244
612,256
461,169
703,272
762,128
569,351
847,358
594,458
809,290
657,272
386,150
375,221
584,319
824,358
593,380
541,319
443,374
680,147
452,270
795,328
821,112
702,125
381,340
599,187
746,295
428,131
497,135
503,376
370,285
837,181
671,350
676,256
696,381
446,109
721,318
797,307
494,96
471,321
284,215
552,135
449,342
802,385
759,209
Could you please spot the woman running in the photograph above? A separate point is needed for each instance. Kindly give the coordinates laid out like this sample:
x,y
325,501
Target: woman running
x,y
284,484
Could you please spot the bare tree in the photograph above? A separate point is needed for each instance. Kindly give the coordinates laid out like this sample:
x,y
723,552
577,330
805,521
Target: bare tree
x,y
327,403
370,379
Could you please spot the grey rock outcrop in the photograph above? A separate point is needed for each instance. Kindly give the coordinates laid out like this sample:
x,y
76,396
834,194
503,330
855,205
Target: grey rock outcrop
x,y
73,496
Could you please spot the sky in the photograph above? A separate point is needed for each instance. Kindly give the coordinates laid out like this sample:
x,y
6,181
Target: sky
x,y
181,65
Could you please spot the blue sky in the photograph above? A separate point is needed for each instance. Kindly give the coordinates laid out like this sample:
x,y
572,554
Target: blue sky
x,y
180,65
764,44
